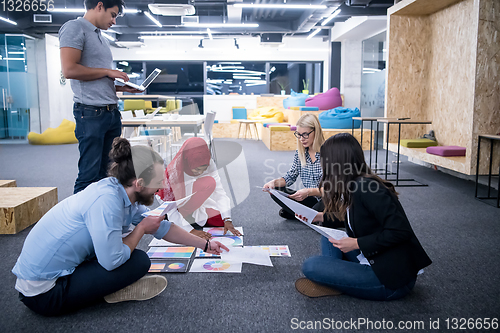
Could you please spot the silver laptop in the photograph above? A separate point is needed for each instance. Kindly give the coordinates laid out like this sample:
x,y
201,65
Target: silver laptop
x,y
145,83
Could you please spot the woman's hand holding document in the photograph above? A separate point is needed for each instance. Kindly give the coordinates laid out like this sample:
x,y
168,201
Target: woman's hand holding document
x,y
308,216
307,213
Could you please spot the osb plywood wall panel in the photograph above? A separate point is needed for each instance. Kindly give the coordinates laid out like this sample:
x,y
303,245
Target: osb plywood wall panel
x,y
407,69
421,7
487,83
225,130
451,72
285,140
276,101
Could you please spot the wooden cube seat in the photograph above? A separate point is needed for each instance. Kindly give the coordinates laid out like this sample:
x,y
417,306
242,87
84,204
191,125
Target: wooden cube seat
x,y
21,207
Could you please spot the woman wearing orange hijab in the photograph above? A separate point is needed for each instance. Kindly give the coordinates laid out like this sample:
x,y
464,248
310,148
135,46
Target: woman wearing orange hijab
x,y
192,171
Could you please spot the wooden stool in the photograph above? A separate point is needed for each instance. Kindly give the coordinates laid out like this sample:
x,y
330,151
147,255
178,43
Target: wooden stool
x,y
21,207
248,124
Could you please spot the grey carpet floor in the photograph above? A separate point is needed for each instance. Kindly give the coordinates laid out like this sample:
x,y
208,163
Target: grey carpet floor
x,y
460,234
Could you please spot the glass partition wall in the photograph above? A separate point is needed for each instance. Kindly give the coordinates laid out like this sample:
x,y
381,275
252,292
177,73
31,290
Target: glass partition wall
x,y
373,78
18,91
227,77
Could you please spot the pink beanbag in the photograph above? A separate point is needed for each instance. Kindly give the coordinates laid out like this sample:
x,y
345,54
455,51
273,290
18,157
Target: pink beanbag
x,y
446,150
327,100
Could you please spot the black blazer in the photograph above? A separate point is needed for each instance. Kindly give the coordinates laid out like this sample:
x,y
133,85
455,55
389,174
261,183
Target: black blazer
x,y
384,234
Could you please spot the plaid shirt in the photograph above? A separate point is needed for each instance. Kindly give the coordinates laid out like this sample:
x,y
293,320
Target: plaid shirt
x,y
310,174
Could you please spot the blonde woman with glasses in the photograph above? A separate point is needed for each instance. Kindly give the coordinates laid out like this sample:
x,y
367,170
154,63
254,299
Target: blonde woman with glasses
x,y
306,164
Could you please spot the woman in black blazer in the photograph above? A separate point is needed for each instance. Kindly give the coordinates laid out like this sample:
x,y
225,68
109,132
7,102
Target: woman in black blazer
x,y
382,256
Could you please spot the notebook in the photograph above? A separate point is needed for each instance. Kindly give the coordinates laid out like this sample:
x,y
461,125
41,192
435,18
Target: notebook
x,y
145,83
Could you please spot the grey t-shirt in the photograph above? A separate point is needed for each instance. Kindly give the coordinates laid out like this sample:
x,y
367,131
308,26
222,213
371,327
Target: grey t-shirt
x,y
82,35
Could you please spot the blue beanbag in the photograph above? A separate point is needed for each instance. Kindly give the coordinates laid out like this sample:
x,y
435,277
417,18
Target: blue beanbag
x,y
295,99
340,118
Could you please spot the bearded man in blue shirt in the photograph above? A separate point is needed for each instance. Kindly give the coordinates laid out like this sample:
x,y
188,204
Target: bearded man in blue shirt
x,y
76,254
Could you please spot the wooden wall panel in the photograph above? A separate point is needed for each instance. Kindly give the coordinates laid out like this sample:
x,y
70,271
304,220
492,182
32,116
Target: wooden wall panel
x,y
407,70
451,72
487,83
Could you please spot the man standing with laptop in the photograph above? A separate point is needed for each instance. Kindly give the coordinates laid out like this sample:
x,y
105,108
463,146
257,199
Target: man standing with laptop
x,y
86,59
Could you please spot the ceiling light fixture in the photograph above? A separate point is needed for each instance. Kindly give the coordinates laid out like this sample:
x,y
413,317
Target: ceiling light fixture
x,y
279,6
7,20
314,33
222,25
209,34
167,9
329,18
155,21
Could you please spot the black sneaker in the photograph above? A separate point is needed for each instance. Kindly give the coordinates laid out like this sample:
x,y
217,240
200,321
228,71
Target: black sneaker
x,y
286,215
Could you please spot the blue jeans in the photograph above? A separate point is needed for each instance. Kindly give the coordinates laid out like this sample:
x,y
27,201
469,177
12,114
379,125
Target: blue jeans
x,y
87,285
96,127
343,272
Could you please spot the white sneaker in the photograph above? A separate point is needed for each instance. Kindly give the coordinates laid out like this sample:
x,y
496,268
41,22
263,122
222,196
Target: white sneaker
x,y
143,289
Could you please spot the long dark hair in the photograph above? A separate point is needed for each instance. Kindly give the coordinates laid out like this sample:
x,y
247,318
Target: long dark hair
x,y
130,163
343,161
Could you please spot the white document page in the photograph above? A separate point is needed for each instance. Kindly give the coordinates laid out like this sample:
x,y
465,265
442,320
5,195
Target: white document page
x,y
250,255
296,207
329,232
166,207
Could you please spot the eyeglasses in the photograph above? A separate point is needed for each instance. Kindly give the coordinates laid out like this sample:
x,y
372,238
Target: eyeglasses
x,y
304,135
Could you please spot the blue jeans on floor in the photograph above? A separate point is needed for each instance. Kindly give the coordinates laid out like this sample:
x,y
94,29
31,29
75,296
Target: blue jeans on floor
x,y
87,285
343,272
96,127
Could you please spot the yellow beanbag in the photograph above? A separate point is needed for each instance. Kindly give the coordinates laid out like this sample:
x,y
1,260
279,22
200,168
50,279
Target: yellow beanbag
x,y
266,114
63,134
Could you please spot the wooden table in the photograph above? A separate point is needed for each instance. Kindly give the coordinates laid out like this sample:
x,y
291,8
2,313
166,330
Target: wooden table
x,y
248,126
390,121
371,120
492,139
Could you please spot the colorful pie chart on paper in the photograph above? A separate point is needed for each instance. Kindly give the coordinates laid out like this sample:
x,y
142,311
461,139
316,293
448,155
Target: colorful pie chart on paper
x,y
230,240
219,231
176,265
216,265
169,266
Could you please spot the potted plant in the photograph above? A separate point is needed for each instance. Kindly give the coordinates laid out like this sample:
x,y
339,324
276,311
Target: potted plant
x,y
282,87
306,87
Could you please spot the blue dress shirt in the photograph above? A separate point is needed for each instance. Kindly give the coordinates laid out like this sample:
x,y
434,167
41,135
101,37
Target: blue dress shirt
x,y
87,224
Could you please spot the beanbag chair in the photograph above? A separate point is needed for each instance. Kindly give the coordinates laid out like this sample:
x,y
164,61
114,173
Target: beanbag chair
x,y
418,143
446,150
63,134
266,114
339,118
295,99
327,100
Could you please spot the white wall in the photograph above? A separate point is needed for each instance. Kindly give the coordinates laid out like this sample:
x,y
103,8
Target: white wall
x,y
350,72
351,34
293,49
56,100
